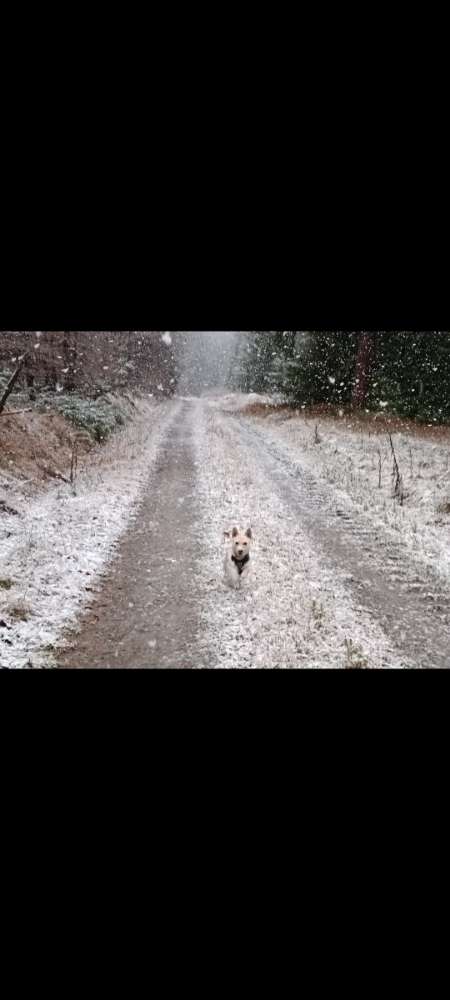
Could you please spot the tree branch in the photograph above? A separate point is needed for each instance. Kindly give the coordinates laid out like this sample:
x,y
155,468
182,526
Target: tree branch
x,y
11,383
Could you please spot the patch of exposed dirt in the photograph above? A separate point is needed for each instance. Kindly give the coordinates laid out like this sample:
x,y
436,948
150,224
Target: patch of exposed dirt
x,y
31,441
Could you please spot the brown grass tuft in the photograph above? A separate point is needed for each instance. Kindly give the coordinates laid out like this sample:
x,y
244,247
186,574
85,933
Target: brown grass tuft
x,y
20,611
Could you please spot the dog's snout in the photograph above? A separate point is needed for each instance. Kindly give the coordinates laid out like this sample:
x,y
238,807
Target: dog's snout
x,y
240,552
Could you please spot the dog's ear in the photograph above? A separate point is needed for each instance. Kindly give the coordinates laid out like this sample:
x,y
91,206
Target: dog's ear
x,y
234,533
249,533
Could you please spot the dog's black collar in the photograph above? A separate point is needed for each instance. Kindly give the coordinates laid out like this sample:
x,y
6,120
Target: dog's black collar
x,y
240,563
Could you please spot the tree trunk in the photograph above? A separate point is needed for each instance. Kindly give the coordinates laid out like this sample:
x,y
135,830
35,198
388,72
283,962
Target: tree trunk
x,y
11,384
364,365
70,354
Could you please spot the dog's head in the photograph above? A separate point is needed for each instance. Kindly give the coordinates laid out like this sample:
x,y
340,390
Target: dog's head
x,y
240,541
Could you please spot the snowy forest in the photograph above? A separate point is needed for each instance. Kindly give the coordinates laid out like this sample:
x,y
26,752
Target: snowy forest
x,y
225,499
405,372
92,362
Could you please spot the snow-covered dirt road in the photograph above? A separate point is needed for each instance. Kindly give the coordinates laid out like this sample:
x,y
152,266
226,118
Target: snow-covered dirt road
x,y
330,585
147,610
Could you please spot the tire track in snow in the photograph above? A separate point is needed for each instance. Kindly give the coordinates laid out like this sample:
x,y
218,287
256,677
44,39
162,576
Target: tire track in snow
x,y
411,606
296,610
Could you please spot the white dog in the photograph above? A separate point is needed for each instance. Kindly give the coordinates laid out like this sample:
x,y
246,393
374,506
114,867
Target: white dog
x,y
237,559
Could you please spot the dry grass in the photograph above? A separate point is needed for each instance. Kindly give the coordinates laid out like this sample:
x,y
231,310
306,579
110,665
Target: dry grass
x,y
354,657
32,439
357,420
19,611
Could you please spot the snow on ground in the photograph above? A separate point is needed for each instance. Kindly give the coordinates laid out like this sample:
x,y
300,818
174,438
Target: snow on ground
x,y
349,460
232,402
293,612
61,542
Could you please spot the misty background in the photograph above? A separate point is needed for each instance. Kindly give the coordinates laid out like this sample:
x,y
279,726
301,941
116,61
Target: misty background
x,y
207,360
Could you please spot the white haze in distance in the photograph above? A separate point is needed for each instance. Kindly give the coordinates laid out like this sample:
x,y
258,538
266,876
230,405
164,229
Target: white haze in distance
x,y
207,359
